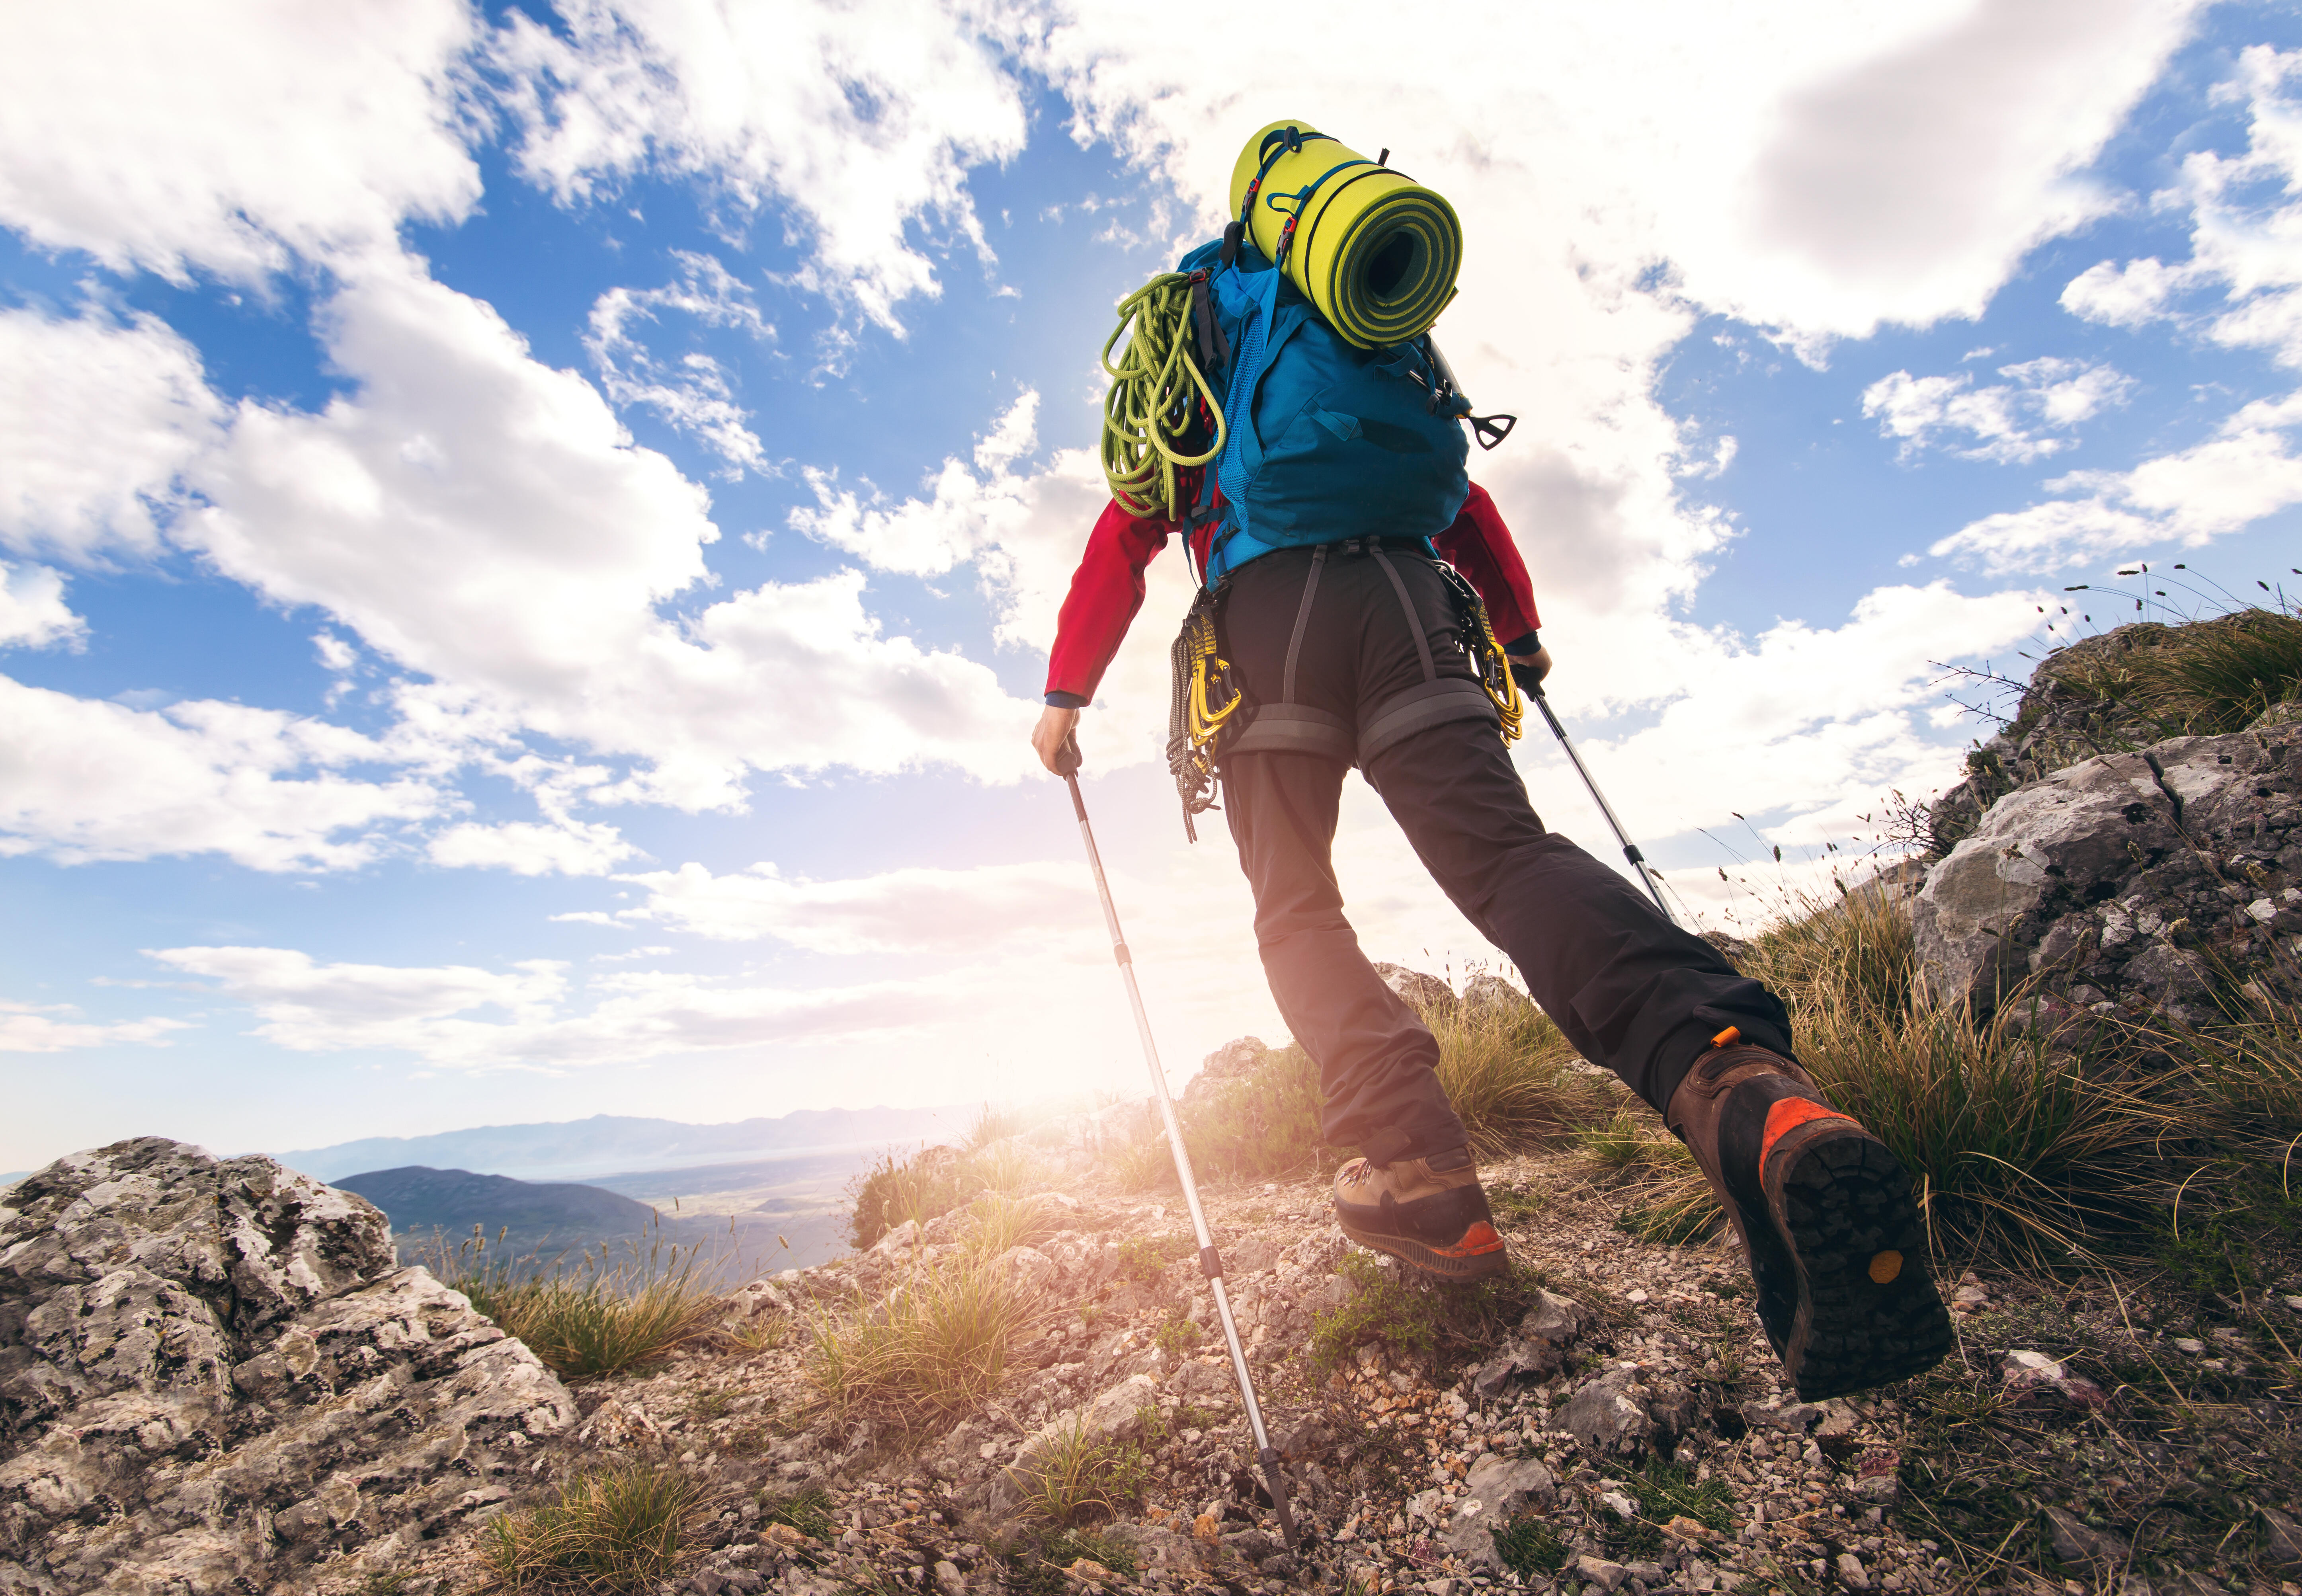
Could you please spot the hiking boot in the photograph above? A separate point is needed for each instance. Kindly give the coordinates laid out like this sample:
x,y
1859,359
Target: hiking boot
x,y
1427,1211
1825,1216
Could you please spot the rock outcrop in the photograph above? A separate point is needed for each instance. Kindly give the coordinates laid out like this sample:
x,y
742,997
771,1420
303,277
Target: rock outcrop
x,y
214,1378
2144,882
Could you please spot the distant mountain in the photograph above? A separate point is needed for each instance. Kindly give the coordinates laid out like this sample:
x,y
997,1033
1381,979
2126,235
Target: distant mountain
x,y
615,1144
434,1211
454,1200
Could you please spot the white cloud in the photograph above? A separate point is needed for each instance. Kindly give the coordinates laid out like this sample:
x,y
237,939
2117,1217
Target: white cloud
x,y
33,614
99,419
178,137
2056,393
2245,472
484,519
82,779
52,1028
912,910
2245,236
464,1017
691,393
973,508
567,848
865,121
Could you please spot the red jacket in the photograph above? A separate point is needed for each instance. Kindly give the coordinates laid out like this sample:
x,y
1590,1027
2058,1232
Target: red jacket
x,y
1107,589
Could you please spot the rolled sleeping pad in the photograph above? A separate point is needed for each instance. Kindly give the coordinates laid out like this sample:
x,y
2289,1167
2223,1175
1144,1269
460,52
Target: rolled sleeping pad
x,y
1376,251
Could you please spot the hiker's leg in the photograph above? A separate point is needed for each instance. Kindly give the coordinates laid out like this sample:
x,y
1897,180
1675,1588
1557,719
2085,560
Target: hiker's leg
x,y
1377,1060
1632,991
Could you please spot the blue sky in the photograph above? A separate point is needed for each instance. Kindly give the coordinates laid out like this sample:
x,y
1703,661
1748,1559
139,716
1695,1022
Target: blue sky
x,y
530,533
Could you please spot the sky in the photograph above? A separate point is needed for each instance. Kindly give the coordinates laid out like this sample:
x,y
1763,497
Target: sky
x,y
529,536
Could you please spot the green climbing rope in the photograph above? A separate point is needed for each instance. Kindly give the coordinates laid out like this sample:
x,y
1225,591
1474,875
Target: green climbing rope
x,y
1153,413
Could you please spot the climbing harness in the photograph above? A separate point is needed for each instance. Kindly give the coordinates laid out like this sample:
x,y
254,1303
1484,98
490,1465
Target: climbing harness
x,y
1201,676
1649,877
1477,632
1161,421
1376,251
1067,761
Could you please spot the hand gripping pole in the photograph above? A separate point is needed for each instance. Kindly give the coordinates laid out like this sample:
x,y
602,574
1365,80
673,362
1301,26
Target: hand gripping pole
x,y
1210,1261
1630,849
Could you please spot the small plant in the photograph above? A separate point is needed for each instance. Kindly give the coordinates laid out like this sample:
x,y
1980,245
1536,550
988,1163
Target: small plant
x,y
1076,1476
1665,1490
1176,1337
1144,1259
622,1529
1036,1564
707,1405
1528,1548
1635,1139
1437,1324
808,1511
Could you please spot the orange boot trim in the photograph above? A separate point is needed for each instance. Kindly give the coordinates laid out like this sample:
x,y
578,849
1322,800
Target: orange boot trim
x,y
1786,1116
1481,1237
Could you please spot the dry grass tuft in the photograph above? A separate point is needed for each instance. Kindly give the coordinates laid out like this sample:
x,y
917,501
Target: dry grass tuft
x,y
595,1315
623,1529
1508,1071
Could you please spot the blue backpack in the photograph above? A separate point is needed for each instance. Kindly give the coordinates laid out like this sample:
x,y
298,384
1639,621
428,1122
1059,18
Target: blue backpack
x,y
1326,441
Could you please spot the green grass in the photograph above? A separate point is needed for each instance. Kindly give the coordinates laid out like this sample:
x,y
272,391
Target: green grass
x,y
808,1511
1439,1326
1035,1564
1529,1547
620,1529
595,1314
1077,1477
1665,1490
2215,675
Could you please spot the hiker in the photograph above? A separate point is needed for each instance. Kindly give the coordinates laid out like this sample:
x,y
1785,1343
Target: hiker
x,y
1362,632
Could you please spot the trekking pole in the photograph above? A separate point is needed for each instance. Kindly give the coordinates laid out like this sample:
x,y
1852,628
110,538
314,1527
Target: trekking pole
x,y
1630,849
1067,760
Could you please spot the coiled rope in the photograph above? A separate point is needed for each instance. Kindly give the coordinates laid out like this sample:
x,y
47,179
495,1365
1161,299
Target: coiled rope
x,y
1151,415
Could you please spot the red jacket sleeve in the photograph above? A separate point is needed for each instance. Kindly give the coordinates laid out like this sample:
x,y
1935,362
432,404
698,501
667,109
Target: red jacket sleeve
x,y
1480,546
1106,591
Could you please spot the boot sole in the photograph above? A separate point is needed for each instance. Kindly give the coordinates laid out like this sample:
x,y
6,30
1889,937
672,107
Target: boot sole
x,y
1844,1204
1458,1268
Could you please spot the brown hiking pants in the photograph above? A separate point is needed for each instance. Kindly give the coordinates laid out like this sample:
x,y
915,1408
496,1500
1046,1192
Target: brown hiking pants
x,y
1348,655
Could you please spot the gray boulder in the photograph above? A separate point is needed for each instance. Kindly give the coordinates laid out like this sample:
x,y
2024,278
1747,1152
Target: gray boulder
x,y
214,1378
1494,1493
2127,879
1422,991
1115,1415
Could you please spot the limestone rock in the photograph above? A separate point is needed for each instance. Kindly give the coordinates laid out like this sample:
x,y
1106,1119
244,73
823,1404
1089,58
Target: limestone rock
x,y
1605,1417
2281,1538
1537,1349
1484,993
1422,991
1235,1060
2126,879
213,1377
1495,1492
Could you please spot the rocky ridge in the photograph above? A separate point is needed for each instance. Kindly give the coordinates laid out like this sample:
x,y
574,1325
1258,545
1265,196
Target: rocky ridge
x,y
214,1378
